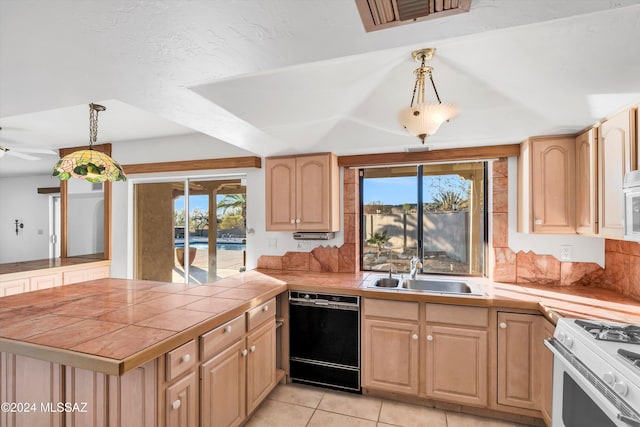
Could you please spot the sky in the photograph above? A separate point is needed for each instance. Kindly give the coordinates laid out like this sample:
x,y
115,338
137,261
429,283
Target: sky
x,y
200,202
400,190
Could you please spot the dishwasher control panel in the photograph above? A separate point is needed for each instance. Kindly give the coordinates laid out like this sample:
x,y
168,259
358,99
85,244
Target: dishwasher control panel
x,y
311,298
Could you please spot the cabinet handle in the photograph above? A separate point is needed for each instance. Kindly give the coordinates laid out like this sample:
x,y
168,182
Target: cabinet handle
x,y
538,222
176,404
503,325
293,221
186,358
244,353
252,348
297,220
414,337
265,308
228,328
429,338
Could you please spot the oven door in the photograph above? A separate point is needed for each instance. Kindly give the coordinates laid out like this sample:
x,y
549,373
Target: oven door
x,y
581,398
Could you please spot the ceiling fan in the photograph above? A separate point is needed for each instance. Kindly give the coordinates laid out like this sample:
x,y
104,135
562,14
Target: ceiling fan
x,y
20,152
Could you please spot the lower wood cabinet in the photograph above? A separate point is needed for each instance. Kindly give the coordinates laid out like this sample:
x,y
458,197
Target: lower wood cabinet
x,y
435,351
181,402
456,364
390,355
236,380
547,373
519,368
13,287
227,371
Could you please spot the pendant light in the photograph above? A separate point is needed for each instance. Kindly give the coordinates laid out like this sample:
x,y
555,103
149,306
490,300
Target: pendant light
x,y
90,165
421,118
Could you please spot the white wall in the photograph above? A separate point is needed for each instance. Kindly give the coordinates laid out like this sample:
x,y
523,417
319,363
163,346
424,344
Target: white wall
x,y
583,248
19,200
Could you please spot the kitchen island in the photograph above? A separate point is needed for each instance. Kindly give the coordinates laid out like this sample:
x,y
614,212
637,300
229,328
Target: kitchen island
x,y
127,352
136,351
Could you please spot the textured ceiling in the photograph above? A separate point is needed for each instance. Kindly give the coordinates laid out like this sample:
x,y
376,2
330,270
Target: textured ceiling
x,y
287,76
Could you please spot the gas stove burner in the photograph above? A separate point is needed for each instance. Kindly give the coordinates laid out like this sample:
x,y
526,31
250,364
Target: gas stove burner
x,y
628,334
630,356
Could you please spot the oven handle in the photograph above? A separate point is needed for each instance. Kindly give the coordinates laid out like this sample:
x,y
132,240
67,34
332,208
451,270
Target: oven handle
x,y
624,413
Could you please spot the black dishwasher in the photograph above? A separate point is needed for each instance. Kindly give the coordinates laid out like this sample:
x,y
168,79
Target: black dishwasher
x,y
325,340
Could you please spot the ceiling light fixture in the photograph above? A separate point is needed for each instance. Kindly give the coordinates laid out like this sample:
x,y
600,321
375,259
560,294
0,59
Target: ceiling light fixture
x,y
90,165
422,119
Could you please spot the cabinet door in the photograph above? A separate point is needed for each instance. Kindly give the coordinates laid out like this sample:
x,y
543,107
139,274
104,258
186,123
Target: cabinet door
x,y
280,193
75,276
181,403
13,287
314,202
518,360
457,364
552,185
390,356
261,364
586,183
223,378
547,372
45,281
616,157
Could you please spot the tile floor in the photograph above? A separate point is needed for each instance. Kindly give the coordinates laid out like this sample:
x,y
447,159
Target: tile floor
x,y
295,405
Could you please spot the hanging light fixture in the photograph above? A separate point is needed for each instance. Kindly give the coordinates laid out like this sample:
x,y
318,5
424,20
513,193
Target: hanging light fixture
x,y
90,165
422,119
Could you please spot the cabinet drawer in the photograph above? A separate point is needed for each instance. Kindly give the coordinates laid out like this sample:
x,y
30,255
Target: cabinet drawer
x,y
457,315
221,337
404,310
261,313
181,359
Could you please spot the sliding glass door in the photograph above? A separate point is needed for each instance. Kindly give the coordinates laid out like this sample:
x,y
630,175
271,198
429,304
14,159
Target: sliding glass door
x,y
190,231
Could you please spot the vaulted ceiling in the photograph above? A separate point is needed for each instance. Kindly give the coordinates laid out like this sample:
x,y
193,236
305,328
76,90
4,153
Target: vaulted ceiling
x,y
290,76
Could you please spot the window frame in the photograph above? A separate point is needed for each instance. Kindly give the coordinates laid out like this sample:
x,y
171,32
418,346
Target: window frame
x,y
484,241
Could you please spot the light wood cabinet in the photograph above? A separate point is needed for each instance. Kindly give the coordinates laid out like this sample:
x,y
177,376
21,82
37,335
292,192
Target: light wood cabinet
x,y
226,371
519,352
133,397
302,193
547,372
181,402
45,281
261,364
390,356
83,275
24,380
13,287
546,185
616,156
587,183
456,361
244,369
82,385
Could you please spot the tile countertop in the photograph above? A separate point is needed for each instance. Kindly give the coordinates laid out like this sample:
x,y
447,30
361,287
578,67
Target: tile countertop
x,y
115,325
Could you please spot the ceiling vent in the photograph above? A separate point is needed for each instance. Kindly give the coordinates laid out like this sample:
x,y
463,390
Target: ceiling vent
x,y
381,14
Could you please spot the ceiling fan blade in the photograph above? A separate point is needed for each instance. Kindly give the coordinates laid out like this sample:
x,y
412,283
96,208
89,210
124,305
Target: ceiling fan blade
x,y
15,148
21,155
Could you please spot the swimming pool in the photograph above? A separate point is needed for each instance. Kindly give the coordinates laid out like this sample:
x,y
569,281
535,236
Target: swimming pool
x,y
219,246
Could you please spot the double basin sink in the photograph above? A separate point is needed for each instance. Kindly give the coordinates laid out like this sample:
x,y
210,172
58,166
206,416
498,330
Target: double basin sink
x,y
429,284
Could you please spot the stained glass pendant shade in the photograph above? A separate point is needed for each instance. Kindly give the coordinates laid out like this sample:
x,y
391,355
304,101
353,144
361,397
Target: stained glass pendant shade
x,y
90,165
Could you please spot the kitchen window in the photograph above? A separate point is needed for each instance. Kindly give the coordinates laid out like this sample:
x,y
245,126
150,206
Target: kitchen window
x,y
436,212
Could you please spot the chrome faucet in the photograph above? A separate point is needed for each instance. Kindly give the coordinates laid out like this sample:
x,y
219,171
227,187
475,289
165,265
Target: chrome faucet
x,y
416,265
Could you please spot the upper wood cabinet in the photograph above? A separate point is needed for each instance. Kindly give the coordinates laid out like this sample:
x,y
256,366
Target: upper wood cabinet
x,y
303,193
587,183
616,157
546,185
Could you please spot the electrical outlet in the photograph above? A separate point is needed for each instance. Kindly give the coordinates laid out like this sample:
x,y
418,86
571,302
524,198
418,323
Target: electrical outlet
x,y
303,245
272,243
566,252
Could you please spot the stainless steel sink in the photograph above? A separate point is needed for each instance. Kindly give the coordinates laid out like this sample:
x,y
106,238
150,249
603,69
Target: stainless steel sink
x,y
434,285
386,282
